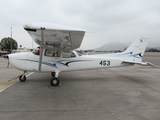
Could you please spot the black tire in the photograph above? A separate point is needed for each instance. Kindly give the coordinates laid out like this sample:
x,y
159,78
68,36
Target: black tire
x,y
54,81
22,78
53,74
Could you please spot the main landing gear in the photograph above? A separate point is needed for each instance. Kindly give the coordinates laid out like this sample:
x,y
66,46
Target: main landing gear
x,y
55,81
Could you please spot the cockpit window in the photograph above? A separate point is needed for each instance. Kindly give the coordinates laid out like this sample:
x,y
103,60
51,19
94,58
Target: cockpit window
x,y
68,54
52,53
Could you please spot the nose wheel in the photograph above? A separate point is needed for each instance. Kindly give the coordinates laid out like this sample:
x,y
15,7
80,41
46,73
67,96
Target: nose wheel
x,y
22,78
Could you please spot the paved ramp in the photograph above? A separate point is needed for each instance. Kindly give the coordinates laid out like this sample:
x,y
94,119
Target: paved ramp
x,y
4,84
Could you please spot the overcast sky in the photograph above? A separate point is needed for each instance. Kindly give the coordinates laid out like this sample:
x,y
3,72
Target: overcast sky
x,y
103,20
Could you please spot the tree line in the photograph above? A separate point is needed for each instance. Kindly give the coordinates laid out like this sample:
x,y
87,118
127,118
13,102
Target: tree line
x,y
8,44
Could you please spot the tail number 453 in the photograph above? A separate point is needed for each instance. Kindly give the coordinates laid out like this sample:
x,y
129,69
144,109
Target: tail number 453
x,y
104,63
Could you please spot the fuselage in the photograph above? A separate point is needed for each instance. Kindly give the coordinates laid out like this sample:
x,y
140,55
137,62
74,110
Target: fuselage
x,y
28,61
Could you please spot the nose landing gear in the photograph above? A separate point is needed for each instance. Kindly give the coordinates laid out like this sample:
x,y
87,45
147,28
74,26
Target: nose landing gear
x,y
22,78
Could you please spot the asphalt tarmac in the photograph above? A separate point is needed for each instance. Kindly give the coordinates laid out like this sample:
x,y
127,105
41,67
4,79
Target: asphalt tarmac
x,y
128,93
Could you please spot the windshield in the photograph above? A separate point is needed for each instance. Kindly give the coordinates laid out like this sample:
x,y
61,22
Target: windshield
x,y
80,53
36,51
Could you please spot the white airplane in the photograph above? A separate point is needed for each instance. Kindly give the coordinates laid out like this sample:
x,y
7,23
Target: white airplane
x,y
57,52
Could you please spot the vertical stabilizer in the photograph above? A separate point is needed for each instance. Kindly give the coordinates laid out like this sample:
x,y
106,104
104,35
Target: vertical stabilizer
x,y
137,47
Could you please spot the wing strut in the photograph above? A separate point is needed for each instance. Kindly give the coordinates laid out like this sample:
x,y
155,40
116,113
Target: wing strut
x,y
41,49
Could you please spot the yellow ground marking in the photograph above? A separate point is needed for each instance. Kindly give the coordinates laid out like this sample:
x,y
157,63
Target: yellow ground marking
x,y
4,84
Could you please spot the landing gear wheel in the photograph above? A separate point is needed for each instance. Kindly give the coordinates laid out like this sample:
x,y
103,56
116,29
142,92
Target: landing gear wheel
x,y
53,74
22,78
54,81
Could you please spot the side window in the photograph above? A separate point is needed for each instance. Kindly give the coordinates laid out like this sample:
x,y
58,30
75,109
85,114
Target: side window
x,y
52,53
67,54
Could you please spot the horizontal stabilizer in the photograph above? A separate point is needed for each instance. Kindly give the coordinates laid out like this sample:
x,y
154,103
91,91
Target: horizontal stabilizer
x,y
151,64
141,63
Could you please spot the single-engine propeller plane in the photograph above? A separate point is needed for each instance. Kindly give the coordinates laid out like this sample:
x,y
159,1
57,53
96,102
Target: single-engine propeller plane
x,y
57,52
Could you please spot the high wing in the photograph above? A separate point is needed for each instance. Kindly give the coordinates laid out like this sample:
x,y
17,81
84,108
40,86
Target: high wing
x,y
54,35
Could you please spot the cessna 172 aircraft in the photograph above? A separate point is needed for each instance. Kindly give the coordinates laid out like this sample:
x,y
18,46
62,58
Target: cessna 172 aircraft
x,y
57,52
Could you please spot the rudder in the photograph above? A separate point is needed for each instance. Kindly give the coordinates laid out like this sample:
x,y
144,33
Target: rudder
x,y
137,47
